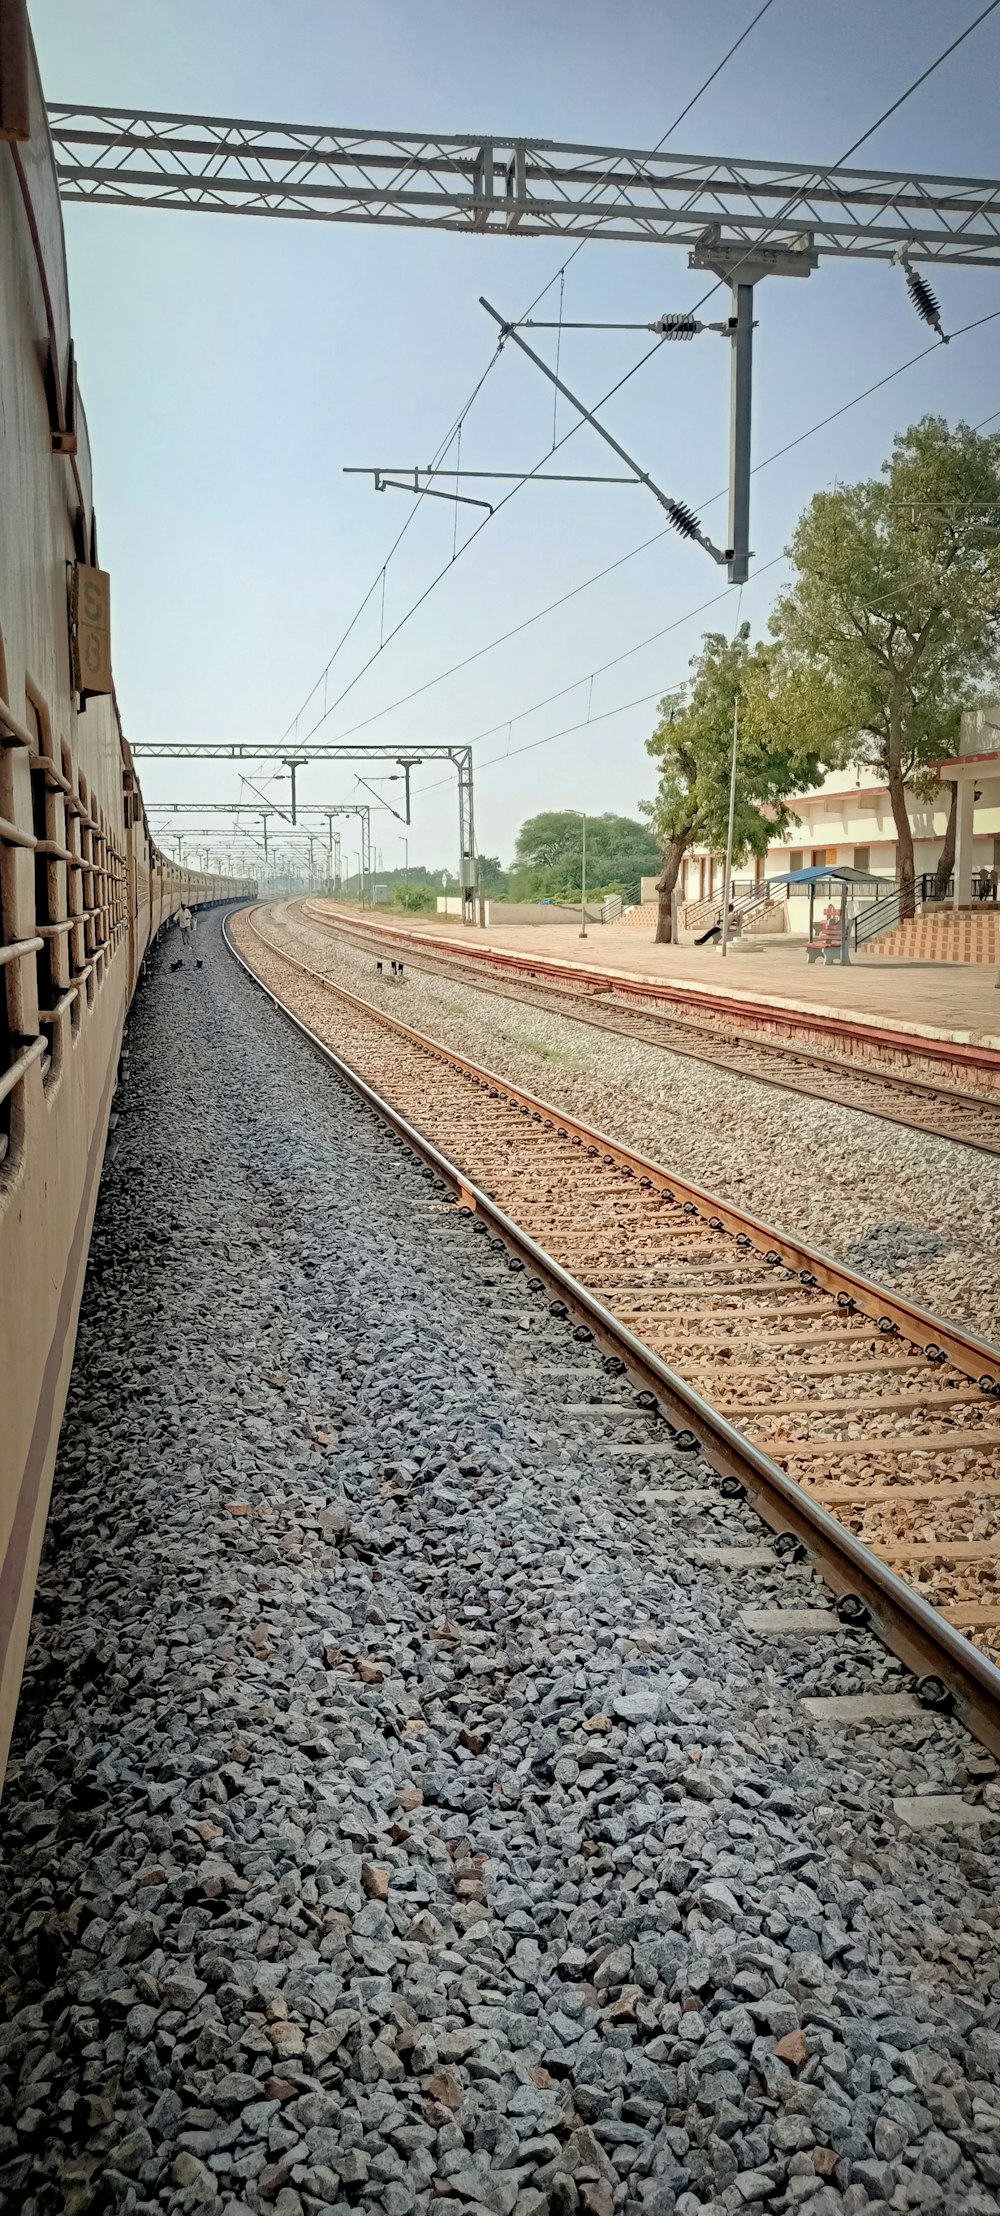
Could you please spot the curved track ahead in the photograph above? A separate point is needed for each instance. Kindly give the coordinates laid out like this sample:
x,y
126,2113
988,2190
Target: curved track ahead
x,y
865,1428
943,1108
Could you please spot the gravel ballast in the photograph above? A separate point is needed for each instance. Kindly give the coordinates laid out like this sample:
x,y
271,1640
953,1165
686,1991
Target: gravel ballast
x,y
401,1814
914,1211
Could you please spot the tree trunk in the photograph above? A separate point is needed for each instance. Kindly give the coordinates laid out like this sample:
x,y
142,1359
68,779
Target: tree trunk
x,y
947,862
900,815
673,855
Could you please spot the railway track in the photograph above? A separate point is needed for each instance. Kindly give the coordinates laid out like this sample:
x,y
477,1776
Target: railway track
x,y
864,1429
938,1107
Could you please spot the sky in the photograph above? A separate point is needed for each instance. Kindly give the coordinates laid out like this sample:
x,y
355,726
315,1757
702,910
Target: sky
x,y
231,370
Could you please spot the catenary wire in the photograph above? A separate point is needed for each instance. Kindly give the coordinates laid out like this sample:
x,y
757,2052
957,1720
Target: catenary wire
x,y
643,547
438,456
442,449
657,149
852,149
511,753
921,80
715,287
898,103
642,700
470,541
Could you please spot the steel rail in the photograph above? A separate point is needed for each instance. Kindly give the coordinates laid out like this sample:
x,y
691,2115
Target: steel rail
x,y
518,986
961,1051
914,1631
433,950
977,1357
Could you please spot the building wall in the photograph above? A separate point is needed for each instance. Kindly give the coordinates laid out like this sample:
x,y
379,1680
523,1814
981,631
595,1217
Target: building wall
x,y
848,819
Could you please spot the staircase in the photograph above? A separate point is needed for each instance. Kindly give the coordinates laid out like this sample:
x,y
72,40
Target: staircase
x,y
704,917
642,918
940,935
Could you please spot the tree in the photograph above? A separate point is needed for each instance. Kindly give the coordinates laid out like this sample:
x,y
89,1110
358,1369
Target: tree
x,y
492,875
693,745
892,620
549,853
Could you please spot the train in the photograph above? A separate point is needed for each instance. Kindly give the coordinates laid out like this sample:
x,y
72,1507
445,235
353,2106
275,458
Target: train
x,y
84,889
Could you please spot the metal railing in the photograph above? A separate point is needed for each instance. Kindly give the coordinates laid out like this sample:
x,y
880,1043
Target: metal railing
x,y
882,915
697,915
981,887
926,888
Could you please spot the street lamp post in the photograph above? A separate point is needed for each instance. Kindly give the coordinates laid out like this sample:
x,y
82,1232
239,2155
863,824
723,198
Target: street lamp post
x,y
728,873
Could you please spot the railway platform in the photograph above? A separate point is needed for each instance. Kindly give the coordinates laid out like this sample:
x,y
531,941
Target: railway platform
x,y
409,1808
949,1002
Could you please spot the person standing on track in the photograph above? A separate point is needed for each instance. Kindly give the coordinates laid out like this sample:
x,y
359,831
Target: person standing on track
x,y
185,925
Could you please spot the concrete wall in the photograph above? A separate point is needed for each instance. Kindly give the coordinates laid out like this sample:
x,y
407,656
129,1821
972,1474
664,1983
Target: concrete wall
x,y
534,911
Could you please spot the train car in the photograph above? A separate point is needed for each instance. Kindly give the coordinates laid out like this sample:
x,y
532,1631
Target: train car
x,y
83,887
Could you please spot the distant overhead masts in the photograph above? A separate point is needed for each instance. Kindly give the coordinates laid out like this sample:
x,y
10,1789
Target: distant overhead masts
x,y
388,758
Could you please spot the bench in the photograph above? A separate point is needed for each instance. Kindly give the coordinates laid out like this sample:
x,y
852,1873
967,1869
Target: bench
x,y
827,945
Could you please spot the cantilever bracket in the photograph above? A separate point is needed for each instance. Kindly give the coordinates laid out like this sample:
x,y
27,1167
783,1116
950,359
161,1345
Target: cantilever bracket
x,y
675,510
398,484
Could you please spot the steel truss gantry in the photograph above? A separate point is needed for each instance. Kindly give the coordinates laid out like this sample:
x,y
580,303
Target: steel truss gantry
x,y
466,181
404,758
741,220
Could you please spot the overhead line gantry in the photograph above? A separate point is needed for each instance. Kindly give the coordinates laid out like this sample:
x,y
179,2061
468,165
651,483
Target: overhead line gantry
x,y
525,187
402,759
740,220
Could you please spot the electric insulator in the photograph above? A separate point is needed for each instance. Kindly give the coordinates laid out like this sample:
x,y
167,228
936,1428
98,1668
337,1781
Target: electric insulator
x,y
682,519
677,327
924,300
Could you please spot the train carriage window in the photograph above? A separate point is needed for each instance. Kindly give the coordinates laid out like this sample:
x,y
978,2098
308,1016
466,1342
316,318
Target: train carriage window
x,y
11,967
87,883
100,922
77,957
52,958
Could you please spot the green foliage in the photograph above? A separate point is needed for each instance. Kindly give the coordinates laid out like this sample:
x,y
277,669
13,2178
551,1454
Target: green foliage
x,y
693,745
416,899
492,876
892,620
548,856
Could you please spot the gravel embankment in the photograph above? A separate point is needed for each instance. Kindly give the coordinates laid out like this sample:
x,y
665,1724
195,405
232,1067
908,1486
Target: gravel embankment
x,y
401,1817
917,1212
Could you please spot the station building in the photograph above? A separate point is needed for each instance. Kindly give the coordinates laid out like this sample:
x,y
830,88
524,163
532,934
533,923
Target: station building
x,y
848,820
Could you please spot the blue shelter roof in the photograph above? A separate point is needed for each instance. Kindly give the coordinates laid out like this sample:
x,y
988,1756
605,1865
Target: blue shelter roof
x,y
822,872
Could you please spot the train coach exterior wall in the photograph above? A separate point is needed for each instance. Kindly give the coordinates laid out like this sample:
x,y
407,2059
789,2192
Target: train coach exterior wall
x,y
71,764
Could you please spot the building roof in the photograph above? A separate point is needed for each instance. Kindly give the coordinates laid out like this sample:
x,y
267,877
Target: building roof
x,y
961,761
823,872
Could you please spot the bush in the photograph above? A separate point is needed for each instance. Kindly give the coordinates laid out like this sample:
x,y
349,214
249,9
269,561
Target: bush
x,y
415,898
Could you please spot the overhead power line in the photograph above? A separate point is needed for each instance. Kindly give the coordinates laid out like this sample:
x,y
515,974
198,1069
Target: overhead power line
x,y
739,569
458,424
921,80
661,142
790,202
643,547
